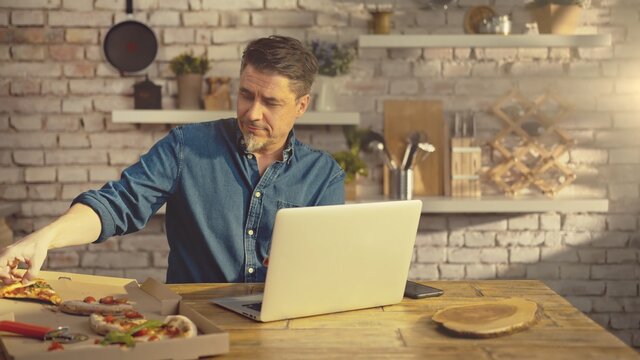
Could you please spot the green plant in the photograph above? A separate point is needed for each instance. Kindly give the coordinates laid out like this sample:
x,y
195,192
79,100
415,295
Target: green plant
x,y
186,63
333,59
349,160
582,3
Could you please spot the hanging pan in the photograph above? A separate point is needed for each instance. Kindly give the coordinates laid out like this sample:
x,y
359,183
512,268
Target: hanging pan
x,y
130,45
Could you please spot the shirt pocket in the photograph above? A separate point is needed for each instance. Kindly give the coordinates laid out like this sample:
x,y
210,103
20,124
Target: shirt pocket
x,y
267,221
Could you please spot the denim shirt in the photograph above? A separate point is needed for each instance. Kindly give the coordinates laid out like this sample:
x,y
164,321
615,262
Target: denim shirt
x,y
220,212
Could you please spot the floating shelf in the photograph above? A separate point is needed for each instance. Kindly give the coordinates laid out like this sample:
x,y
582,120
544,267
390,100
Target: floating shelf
x,y
192,116
501,204
483,41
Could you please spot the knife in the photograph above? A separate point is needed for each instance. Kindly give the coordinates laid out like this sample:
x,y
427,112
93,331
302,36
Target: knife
x,y
61,334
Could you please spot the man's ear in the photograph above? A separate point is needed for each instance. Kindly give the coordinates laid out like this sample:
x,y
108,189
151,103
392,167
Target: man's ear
x,y
303,104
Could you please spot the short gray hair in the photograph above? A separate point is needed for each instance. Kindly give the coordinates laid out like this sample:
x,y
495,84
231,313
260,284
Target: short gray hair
x,y
284,56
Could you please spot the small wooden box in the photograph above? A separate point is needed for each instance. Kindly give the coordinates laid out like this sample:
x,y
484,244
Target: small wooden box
x,y
465,168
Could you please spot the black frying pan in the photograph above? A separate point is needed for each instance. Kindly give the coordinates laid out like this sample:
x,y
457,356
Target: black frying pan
x,y
130,45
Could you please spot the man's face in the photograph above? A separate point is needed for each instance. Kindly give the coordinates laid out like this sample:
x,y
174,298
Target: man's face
x,y
267,110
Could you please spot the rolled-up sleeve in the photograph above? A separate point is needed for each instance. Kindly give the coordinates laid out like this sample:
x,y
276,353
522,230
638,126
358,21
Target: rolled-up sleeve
x,y
126,205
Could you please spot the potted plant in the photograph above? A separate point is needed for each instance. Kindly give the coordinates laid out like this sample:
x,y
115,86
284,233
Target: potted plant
x,y
350,161
557,16
190,70
333,60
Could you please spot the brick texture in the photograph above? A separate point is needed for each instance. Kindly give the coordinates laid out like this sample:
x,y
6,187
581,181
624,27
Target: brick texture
x,y
57,138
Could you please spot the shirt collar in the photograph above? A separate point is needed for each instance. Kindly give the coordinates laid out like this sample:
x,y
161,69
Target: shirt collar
x,y
288,151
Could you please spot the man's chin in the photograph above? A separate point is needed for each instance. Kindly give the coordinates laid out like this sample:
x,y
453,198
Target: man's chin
x,y
254,144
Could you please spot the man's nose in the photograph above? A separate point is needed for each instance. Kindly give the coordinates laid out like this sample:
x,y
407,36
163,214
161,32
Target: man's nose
x,y
255,111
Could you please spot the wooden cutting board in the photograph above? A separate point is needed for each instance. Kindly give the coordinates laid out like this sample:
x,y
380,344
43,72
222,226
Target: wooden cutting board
x,y
489,319
401,118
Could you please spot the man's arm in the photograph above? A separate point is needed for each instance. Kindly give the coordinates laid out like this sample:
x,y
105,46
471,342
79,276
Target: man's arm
x,y
79,225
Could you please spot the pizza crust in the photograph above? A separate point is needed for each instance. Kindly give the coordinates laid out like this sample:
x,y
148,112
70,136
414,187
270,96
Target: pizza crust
x,y
187,327
79,307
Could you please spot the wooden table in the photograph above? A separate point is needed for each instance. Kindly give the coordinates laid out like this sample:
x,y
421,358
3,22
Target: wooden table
x,y
405,331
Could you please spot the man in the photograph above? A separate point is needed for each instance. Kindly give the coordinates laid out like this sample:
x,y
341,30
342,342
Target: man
x,y
222,181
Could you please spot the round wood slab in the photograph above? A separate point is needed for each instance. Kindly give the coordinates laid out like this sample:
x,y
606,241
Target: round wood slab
x,y
488,318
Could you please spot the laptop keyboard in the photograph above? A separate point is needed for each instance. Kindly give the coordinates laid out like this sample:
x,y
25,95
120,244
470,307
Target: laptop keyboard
x,y
255,306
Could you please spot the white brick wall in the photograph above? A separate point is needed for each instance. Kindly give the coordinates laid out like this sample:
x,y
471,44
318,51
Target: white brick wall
x,y
57,138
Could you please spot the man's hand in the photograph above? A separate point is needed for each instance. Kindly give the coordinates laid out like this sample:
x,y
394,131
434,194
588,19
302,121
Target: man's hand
x,y
31,250
78,226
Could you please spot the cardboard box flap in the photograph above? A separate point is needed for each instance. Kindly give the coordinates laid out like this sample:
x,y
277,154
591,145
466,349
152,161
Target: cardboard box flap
x,y
93,279
168,301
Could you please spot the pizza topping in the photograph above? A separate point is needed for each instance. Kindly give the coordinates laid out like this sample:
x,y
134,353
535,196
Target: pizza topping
x,y
55,346
133,315
110,300
107,300
117,337
149,324
141,332
126,338
109,319
89,300
172,331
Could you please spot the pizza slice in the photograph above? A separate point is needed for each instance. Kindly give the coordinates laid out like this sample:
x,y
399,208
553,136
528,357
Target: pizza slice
x,y
130,329
37,289
104,324
107,305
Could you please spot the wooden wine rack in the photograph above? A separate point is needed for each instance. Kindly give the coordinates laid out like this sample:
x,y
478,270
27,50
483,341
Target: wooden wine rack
x,y
527,151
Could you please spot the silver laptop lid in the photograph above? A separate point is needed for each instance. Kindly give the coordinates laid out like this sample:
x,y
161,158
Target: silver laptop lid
x,y
342,257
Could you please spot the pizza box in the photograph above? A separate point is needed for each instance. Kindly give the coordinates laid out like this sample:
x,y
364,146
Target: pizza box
x,y
151,298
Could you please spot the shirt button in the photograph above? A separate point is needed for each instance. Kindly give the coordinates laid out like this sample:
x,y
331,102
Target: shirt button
x,y
250,156
258,194
250,232
250,270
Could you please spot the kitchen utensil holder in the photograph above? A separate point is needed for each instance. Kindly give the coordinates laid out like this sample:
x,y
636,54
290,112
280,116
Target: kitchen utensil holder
x,y
401,184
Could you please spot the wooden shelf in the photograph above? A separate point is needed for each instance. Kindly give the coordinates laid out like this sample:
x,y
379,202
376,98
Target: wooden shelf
x,y
192,116
483,41
501,204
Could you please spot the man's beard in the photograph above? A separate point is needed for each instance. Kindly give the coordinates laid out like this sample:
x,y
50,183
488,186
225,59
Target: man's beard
x,y
255,144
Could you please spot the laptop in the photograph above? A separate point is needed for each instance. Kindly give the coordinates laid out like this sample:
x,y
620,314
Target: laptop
x,y
327,259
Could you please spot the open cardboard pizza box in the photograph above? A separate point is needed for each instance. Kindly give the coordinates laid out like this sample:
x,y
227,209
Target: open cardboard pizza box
x,y
151,298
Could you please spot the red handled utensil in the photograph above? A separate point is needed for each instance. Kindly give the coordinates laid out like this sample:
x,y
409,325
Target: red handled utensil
x,y
61,334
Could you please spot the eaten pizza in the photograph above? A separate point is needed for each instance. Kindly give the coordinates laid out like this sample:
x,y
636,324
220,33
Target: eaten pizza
x,y
37,289
107,305
133,327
